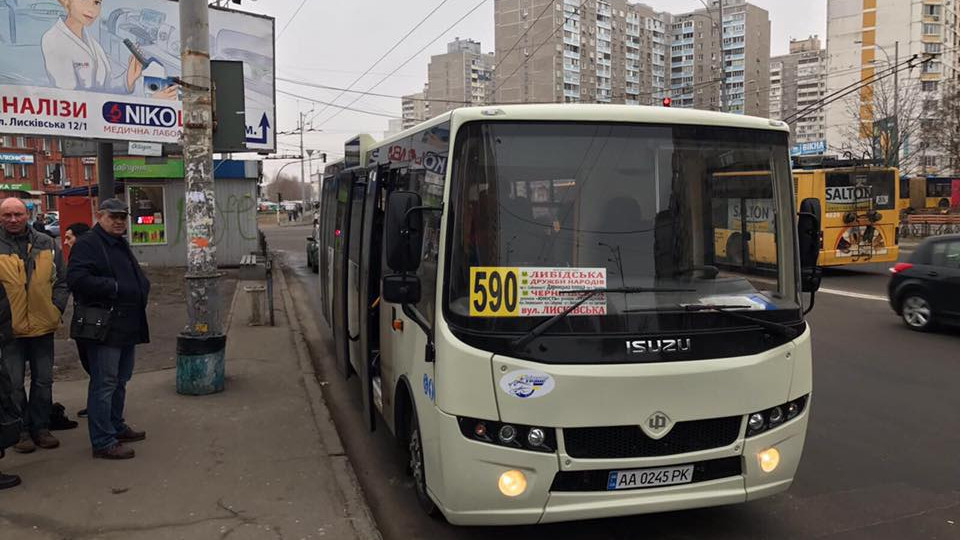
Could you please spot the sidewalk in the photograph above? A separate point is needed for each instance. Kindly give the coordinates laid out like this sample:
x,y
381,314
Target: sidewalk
x,y
259,460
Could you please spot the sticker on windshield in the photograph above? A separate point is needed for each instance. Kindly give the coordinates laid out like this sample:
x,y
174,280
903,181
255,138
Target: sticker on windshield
x,y
497,291
739,301
526,384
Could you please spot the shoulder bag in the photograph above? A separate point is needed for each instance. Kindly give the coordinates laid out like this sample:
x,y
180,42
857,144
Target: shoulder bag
x,y
91,321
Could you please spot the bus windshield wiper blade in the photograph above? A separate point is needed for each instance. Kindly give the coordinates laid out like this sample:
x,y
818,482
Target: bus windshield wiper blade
x,y
586,295
728,310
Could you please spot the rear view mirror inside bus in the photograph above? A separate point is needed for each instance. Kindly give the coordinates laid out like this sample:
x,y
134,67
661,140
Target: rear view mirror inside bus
x,y
401,289
404,231
808,236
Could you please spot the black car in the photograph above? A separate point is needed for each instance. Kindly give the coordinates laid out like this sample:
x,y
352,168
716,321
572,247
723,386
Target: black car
x,y
925,290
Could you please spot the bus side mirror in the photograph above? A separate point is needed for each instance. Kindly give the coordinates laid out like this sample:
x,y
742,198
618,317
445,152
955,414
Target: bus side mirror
x,y
403,231
808,236
401,289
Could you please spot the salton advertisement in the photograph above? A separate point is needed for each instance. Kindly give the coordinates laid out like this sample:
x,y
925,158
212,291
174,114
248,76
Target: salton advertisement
x,y
108,70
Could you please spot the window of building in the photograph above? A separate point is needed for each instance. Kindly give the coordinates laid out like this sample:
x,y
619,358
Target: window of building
x,y
24,171
929,86
930,29
930,161
53,173
21,142
147,223
7,141
88,172
8,170
932,48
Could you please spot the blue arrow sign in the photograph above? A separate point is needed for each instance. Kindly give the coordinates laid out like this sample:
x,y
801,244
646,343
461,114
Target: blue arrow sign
x,y
264,129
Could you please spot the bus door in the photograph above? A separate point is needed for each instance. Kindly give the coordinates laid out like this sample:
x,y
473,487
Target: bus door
x,y
340,285
326,243
367,299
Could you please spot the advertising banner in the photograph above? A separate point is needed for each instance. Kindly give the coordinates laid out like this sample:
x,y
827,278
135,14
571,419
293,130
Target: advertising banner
x,y
109,70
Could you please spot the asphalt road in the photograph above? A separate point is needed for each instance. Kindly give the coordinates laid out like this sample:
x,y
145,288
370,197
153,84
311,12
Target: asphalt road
x,y
880,462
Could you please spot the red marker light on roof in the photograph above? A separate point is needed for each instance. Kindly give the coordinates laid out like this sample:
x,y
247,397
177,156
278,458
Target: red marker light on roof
x,y
667,102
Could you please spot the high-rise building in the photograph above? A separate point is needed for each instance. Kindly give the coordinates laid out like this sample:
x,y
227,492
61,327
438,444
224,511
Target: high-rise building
x,y
865,39
721,72
798,81
415,109
555,51
459,78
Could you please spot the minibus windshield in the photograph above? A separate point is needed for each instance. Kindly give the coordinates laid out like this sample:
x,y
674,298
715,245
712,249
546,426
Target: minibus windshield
x,y
703,214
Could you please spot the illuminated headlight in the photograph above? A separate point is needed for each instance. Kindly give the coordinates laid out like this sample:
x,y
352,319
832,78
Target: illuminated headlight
x,y
762,421
536,439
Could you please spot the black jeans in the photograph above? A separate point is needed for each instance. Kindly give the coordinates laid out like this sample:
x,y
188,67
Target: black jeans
x,y
38,353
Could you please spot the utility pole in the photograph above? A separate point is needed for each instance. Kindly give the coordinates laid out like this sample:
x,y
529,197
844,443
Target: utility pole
x,y
896,103
723,65
106,185
303,189
201,346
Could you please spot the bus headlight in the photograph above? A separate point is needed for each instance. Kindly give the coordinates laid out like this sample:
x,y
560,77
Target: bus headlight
x,y
536,439
512,483
762,421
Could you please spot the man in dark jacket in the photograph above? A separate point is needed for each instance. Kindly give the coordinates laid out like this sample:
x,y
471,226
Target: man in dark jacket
x,y
104,271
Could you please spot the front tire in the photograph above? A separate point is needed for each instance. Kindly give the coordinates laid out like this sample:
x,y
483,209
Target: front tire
x,y
916,311
418,467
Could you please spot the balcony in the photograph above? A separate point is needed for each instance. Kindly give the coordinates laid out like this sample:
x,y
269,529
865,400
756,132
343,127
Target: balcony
x,y
571,54
571,77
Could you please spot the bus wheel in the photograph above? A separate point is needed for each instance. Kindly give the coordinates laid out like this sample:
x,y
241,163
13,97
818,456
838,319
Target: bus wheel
x,y
417,466
917,312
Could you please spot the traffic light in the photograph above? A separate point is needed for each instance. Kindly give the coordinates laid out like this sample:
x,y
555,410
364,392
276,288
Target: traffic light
x,y
667,102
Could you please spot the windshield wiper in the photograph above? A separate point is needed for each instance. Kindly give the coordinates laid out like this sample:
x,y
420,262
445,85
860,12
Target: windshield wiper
x,y
587,294
777,328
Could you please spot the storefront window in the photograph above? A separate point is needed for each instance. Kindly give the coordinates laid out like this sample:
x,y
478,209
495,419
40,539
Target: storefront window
x,y
147,213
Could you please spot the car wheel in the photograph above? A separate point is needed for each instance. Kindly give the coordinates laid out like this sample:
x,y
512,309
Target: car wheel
x,y
417,466
916,311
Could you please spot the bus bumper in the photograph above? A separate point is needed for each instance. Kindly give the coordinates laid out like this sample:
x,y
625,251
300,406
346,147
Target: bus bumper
x,y
468,494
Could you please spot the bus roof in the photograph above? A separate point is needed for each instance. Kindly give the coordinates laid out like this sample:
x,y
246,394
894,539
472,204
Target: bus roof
x,y
595,113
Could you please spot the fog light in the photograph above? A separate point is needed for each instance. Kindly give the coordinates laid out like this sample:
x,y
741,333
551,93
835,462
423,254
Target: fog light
x,y
769,459
755,422
507,434
536,436
512,483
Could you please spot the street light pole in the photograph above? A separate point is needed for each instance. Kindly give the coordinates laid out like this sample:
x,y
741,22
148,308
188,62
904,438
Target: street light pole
x,y
896,100
303,189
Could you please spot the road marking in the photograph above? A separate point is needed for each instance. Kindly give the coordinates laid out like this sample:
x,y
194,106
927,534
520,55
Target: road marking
x,y
849,294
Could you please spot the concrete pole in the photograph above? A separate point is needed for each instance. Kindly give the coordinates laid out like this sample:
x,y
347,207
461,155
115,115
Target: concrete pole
x,y
201,345
105,181
303,189
896,101
723,65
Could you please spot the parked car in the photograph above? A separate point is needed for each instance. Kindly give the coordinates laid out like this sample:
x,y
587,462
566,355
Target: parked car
x,y
925,290
313,252
53,228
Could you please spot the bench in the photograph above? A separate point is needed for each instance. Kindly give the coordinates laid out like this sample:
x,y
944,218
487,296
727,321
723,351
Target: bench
x,y
253,267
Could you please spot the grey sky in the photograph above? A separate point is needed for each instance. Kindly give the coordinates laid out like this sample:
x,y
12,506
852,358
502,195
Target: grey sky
x,y
332,42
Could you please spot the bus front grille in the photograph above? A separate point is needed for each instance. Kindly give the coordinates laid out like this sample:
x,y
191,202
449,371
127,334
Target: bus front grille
x,y
614,442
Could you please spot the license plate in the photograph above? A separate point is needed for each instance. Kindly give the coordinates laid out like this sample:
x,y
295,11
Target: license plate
x,y
642,478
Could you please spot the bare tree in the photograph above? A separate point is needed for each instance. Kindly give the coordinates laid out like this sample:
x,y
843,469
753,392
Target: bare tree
x,y
944,133
885,129
288,186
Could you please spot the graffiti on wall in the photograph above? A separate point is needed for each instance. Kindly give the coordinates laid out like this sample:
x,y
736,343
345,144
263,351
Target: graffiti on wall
x,y
237,216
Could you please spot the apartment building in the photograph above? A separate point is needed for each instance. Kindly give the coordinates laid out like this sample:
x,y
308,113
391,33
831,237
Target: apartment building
x,y
798,81
34,169
555,51
865,38
461,77
415,108
721,70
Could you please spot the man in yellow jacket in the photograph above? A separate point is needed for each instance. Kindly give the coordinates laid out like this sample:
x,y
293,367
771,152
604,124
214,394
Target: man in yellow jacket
x,y
34,277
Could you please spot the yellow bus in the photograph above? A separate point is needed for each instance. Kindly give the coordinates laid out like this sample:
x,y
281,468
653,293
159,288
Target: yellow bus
x,y
860,220
929,193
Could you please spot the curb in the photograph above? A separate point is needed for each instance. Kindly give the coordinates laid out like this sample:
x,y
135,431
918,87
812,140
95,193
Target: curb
x,y
361,518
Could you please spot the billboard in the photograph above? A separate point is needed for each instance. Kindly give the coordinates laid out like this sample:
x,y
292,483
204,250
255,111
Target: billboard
x,y
107,70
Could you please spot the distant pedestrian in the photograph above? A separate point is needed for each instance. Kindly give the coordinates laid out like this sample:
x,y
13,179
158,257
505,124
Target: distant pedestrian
x,y
104,271
32,273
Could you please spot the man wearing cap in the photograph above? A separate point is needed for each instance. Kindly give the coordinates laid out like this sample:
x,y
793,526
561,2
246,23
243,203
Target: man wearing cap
x,y
32,274
104,271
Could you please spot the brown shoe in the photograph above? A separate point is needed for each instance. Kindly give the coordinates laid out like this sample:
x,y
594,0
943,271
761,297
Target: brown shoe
x,y
131,435
117,451
25,445
45,439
